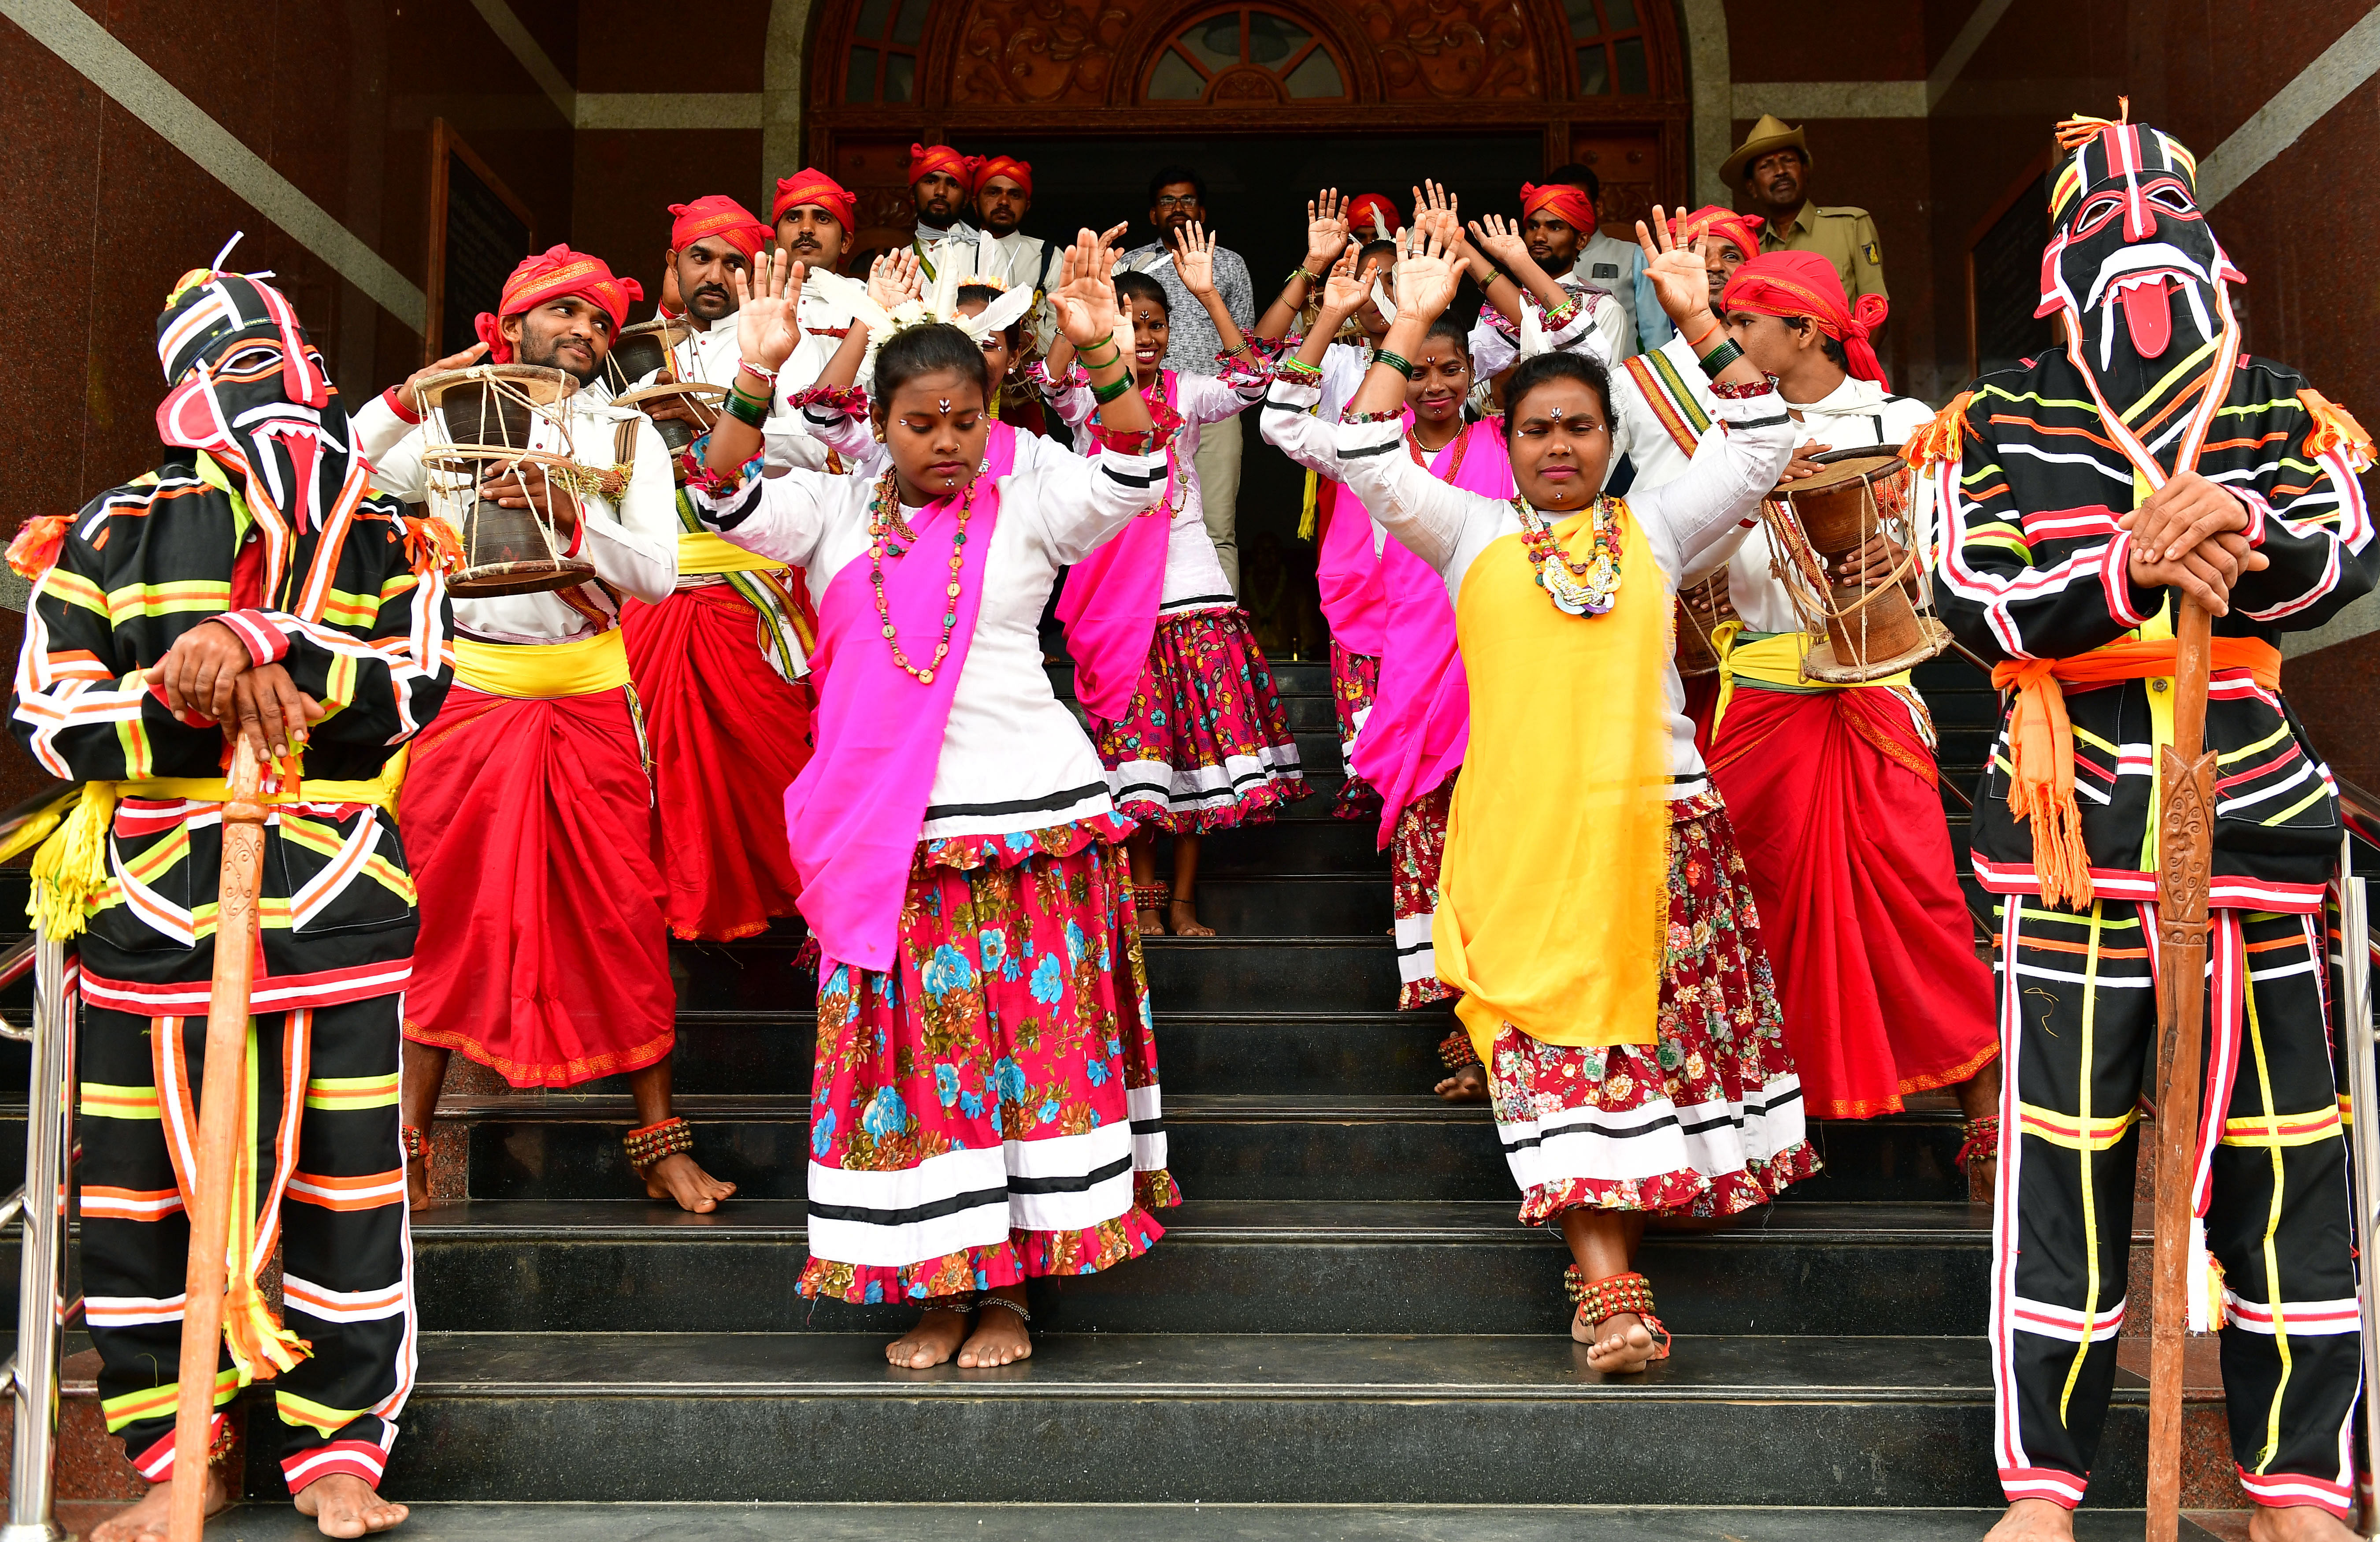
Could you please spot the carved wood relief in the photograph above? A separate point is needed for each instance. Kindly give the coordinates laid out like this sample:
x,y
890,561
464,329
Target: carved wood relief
x,y
1043,52
1454,48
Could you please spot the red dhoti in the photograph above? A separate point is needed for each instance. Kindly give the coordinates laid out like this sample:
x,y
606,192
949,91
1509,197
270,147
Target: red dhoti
x,y
535,845
728,736
1832,796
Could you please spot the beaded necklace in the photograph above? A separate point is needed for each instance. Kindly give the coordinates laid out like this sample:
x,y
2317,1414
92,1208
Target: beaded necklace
x,y
1454,466
1589,588
884,518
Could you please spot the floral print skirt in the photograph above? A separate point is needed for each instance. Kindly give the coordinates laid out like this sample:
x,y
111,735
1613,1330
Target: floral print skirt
x,y
987,1110
1354,678
1417,851
1705,1121
1204,744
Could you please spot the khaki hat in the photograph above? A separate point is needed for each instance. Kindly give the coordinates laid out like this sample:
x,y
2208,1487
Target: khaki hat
x,y
1768,134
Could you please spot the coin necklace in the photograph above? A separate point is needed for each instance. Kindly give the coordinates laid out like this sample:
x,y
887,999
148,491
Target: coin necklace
x,y
884,515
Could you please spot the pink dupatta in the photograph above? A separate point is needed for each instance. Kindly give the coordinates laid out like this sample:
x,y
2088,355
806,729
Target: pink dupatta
x,y
854,816
1109,604
1421,709
1354,602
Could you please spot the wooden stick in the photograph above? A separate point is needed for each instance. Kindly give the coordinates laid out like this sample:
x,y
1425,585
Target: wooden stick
x,y
2185,860
220,1107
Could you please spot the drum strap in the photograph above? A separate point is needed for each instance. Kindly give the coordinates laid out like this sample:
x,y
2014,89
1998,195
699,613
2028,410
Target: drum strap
x,y
1671,399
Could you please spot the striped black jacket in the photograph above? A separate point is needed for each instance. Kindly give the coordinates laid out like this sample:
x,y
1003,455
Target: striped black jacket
x,y
2032,566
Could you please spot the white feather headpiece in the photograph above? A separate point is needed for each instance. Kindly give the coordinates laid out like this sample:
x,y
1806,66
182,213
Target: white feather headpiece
x,y
940,303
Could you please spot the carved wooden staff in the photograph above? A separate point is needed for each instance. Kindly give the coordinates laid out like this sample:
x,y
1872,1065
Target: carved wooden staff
x,y
2185,860
220,1102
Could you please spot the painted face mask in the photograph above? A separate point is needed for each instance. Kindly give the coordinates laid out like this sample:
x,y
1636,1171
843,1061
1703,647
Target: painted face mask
x,y
250,390
2132,262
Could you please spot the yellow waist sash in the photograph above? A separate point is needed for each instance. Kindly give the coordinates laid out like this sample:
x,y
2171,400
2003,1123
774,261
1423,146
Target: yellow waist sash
x,y
700,551
1772,662
580,668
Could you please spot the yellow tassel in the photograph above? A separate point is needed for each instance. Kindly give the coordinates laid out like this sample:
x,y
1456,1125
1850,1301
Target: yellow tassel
x,y
70,870
1306,517
260,1347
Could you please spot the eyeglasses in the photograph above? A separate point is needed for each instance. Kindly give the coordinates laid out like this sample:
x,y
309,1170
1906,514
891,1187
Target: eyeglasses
x,y
1169,200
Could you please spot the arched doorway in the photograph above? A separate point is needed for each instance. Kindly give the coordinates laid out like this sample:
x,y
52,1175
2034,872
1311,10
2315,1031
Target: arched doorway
x,y
1600,81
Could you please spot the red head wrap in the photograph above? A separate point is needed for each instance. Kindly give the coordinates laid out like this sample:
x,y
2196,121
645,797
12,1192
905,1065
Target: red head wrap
x,y
926,158
717,217
1360,212
1804,283
556,272
1741,230
1016,171
814,186
1563,201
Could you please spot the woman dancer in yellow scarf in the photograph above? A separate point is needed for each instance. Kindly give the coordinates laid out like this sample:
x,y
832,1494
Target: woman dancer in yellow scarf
x,y
1593,910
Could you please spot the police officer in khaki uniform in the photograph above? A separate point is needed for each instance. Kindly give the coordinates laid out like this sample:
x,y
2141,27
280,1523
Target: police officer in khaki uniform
x,y
1772,168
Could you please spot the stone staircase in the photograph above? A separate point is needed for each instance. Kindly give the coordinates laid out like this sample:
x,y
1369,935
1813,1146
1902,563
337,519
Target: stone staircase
x,y
1344,1313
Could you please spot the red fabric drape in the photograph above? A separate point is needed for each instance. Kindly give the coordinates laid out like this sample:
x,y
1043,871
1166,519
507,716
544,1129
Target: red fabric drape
x,y
728,736
535,847
1850,863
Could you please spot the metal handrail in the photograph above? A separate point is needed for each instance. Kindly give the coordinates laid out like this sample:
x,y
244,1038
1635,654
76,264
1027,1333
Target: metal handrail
x,y
30,1376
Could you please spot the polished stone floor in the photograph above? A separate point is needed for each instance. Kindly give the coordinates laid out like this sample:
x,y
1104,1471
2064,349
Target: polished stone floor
x,y
632,1523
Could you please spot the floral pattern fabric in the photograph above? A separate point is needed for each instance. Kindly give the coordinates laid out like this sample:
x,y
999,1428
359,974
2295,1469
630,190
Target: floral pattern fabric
x,y
1354,678
1417,851
1720,1046
1018,1012
1205,745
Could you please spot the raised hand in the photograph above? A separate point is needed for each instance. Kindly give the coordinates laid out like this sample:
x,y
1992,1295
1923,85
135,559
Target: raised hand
x,y
1194,258
1501,239
1680,278
1344,291
1436,209
1425,277
463,360
1085,299
768,320
1326,230
894,279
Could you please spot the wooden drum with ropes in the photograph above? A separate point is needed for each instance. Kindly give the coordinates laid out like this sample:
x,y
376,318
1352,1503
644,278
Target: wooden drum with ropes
x,y
1858,632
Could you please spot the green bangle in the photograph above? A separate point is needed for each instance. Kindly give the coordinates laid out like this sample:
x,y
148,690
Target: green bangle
x,y
1395,362
750,410
1111,390
1297,274
1720,357
1090,364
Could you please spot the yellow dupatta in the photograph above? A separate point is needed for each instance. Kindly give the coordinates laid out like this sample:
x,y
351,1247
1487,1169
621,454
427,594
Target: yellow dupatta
x,y
1553,907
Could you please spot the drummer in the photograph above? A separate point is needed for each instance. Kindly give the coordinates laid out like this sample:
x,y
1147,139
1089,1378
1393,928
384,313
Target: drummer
x,y
1832,788
526,811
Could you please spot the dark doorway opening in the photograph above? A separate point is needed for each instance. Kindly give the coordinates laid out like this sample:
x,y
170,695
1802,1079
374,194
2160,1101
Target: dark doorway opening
x,y
1256,188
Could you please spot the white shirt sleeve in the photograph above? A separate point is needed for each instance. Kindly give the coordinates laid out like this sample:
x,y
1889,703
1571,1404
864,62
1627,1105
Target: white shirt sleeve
x,y
1287,421
1080,502
1210,399
633,547
1689,519
782,518
1427,515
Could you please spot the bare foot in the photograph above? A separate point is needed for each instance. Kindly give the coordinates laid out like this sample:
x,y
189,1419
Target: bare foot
x,y
345,1505
145,1522
2034,1520
677,1177
417,1181
1615,1345
1183,916
2296,1523
1983,1177
930,1343
999,1338
1466,1086
1151,923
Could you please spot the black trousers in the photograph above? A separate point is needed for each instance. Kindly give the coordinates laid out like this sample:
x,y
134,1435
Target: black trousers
x,y
322,1093
2078,1022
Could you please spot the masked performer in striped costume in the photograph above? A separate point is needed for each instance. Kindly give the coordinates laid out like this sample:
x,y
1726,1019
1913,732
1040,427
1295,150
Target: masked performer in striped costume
x,y
986,1107
250,584
2081,489
1592,908
721,665
529,808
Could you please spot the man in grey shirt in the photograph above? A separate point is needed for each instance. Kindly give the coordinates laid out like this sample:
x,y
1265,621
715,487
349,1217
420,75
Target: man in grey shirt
x,y
1177,197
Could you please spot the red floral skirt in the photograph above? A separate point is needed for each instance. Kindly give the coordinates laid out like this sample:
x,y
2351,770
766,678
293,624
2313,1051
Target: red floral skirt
x,y
988,1112
531,832
728,736
1204,744
1415,853
1354,678
1706,1121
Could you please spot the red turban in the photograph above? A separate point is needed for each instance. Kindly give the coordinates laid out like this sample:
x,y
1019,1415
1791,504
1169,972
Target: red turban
x,y
926,158
812,186
718,216
1016,171
1741,230
556,272
1805,283
1563,201
1360,212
